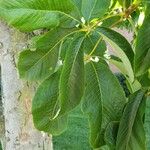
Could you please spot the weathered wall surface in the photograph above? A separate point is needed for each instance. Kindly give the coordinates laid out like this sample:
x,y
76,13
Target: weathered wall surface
x,y
20,133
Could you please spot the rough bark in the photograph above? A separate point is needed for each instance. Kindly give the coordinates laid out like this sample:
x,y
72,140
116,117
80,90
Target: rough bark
x,y
20,133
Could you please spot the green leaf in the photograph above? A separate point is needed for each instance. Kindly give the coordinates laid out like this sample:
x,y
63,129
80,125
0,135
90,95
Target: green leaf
x,y
132,86
125,3
119,64
64,48
92,104
110,21
94,45
145,79
121,47
55,35
111,134
45,107
105,147
29,15
101,102
147,122
36,65
76,135
72,77
39,64
91,9
1,146
131,130
113,3
142,49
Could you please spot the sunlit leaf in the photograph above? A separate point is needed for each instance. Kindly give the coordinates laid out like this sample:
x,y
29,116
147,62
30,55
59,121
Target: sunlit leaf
x,y
121,47
91,9
125,3
28,15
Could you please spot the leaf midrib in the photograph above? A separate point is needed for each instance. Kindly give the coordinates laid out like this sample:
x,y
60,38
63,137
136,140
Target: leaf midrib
x,y
98,81
92,10
52,48
53,11
75,59
124,59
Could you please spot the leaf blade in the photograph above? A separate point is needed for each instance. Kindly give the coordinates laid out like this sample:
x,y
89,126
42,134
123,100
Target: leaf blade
x,y
39,64
72,77
130,133
147,122
30,15
142,49
45,106
94,8
95,118
121,47
100,102
90,9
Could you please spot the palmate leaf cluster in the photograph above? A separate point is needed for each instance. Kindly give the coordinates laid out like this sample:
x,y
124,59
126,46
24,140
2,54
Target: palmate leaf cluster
x,y
70,62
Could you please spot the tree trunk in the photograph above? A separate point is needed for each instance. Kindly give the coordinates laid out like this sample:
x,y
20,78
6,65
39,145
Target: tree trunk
x,y
20,133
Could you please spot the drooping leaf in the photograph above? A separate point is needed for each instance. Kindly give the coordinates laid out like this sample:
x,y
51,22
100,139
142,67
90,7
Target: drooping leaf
x,y
91,9
76,136
110,21
72,77
145,79
147,122
121,47
92,104
138,130
117,41
29,15
142,49
45,107
122,80
132,86
131,130
47,41
111,134
39,64
36,65
64,48
101,102
119,64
